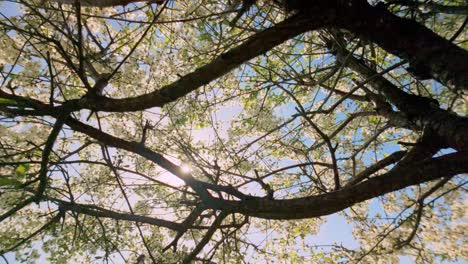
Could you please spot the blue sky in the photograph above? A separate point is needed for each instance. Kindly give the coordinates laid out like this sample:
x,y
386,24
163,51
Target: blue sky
x,y
335,230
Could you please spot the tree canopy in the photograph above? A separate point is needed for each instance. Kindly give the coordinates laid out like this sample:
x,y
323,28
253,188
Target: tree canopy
x,y
202,131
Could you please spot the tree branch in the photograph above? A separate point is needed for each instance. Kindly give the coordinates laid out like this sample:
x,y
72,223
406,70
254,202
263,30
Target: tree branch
x,y
105,213
394,157
200,245
430,55
398,178
46,153
420,111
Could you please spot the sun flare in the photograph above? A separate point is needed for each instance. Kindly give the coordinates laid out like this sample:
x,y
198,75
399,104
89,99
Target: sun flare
x,y
186,168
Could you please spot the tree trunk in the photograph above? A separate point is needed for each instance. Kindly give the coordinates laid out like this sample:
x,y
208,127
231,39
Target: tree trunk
x,y
429,55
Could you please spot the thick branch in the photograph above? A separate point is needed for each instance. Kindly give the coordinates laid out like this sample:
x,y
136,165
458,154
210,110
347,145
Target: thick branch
x,y
46,155
141,150
253,47
398,178
430,55
101,212
104,3
134,147
434,7
394,157
421,111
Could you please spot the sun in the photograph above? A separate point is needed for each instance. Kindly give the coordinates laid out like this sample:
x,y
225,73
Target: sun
x,y
186,168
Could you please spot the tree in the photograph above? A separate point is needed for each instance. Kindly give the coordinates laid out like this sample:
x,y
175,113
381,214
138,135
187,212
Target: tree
x,y
171,132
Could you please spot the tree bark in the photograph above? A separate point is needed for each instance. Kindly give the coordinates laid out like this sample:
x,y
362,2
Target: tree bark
x,y
256,45
398,178
104,3
420,111
429,55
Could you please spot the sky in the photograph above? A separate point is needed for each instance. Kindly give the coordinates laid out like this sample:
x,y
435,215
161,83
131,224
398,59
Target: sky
x,y
335,230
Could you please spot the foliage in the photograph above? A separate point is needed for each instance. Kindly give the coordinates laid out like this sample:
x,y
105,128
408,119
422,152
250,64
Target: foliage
x,y
162,129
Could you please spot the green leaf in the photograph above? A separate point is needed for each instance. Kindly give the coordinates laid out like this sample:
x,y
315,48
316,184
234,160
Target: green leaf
x,y
205,36
4,181
374,119
22,169
5,101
